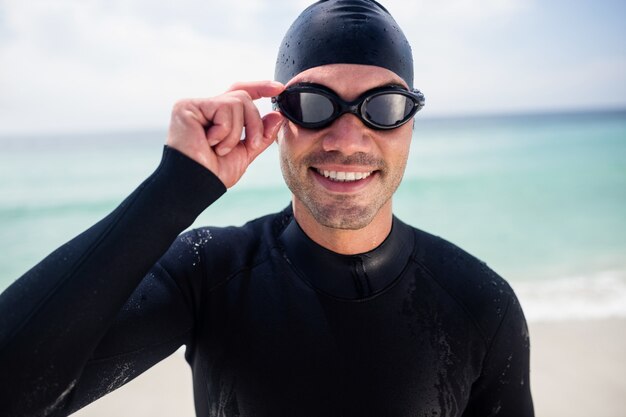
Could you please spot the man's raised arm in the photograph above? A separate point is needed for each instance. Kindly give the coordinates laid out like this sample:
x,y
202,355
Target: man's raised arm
x,y
53,318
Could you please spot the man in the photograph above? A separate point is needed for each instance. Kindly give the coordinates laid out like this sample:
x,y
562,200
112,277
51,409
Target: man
x,y
332,307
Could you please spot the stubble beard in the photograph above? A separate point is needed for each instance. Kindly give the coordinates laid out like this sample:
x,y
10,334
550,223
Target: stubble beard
x,y
350,212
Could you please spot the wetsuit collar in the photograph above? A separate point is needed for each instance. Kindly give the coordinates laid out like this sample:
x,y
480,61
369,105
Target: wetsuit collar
x,y
349,276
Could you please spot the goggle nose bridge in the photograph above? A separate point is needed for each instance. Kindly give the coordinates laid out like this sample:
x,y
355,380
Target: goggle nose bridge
x,y
353,108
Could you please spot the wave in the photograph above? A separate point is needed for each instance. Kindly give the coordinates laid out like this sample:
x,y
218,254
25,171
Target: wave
x,y
595,296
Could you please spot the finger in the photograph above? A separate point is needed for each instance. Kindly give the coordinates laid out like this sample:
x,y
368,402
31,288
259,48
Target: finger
x,y
221,125
271,124
236,127
258,89
252,118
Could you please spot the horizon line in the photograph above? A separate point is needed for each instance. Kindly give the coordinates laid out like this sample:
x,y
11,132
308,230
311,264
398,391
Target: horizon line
x,y
441,117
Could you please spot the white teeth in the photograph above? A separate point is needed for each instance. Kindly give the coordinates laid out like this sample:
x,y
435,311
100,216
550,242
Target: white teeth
x,y
344,176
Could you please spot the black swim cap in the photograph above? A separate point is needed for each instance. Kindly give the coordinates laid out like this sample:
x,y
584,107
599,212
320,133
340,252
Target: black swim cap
x,y
344,32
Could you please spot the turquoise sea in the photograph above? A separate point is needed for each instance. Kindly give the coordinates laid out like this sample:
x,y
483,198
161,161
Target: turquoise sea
x,y
541,198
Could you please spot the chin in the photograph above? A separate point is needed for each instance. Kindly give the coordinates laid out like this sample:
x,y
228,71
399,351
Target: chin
x,y
341,217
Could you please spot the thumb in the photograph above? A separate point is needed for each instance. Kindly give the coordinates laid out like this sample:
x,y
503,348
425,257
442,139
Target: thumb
x,y
271,124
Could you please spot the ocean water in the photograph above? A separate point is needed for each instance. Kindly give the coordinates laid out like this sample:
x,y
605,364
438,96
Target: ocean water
x,y
540,198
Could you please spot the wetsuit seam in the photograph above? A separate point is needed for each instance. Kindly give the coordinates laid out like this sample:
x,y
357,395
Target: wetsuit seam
x,y
191,351
495,334
131,352
203,299
182,293
237,272
175,282
86,254
450,294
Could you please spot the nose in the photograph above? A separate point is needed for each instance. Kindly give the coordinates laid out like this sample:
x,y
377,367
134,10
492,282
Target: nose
x,y
348,135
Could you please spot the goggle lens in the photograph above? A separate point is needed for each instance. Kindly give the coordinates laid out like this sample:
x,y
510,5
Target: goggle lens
x,y
308,107
388,109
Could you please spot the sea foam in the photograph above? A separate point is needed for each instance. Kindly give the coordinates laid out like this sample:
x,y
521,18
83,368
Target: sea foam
x,y
595,296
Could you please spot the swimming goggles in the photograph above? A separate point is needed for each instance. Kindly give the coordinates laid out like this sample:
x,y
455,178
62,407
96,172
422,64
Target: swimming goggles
x,y
315,106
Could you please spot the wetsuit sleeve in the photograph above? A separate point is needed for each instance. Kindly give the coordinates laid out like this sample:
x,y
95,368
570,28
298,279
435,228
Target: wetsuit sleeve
x,y
503,389
63,323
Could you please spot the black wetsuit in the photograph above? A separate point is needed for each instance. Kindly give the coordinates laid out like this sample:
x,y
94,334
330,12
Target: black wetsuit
x,y
274,324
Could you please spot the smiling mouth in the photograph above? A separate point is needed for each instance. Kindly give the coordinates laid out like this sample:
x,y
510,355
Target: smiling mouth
x,y
340,176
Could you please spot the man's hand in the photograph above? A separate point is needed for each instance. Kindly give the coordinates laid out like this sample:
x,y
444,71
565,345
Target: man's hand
x,y
209,130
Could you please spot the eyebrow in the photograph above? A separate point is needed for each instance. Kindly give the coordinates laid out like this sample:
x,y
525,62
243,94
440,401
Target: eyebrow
x,y
394,84
310,82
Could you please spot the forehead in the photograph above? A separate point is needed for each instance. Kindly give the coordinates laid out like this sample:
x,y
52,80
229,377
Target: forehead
x,y
348,80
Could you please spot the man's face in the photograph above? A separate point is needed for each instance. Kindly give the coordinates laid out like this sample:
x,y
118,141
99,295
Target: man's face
x,y
345,174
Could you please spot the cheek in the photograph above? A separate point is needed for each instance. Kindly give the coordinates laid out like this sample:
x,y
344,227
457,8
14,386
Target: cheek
x,y
294,142
396,147
289,150
284,139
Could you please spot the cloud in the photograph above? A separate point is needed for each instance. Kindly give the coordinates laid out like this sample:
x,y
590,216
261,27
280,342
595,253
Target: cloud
x,y
80,65
95,64
459,11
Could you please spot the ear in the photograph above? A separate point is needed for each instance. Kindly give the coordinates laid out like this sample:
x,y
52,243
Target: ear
x,y
280,135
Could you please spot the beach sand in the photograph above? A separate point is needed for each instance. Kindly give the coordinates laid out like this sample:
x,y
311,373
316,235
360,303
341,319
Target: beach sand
x,y
577,369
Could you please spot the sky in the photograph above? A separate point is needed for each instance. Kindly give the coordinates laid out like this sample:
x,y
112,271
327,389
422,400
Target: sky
x,y
107,65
